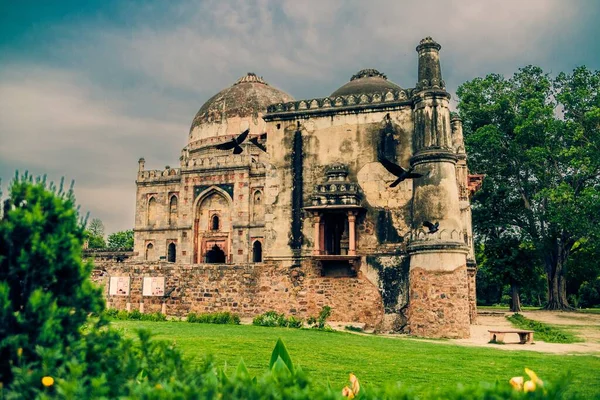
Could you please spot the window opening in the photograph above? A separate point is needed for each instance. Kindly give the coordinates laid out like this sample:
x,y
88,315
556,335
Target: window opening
x,y
171,256
257,252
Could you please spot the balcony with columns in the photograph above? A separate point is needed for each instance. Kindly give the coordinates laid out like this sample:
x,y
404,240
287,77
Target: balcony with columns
x,y
335,205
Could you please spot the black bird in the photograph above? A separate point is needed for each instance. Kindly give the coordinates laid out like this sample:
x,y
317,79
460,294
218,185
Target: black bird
x,y
397,170
433,228
255,142
168,293
234,143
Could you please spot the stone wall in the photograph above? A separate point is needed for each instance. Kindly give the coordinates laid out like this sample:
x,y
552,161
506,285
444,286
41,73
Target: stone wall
x,y
439,307
247,289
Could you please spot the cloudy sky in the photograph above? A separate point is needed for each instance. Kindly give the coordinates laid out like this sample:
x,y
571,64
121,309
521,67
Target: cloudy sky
x,y
88,87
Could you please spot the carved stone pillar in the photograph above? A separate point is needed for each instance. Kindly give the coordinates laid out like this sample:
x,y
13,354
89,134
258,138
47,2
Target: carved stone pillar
x,y
352,233
317,238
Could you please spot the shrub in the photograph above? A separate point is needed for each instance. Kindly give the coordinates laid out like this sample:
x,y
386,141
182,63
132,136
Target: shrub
x,y
134,315
272,318
45,289
214,318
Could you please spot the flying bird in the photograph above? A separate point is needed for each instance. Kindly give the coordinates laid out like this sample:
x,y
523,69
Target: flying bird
x,y
433,228
397,170
255,141
234,143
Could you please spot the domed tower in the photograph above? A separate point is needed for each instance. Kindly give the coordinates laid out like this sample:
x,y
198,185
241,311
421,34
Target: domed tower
x,y
210,210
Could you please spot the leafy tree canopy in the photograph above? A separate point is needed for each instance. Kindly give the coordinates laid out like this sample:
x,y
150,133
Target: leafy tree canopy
x,y
537,140
121,240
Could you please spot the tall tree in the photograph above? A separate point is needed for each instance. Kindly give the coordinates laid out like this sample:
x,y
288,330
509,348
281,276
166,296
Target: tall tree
x,y
95,234
538,142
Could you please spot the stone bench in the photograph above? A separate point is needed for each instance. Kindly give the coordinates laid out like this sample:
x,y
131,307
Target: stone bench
x,y
497,336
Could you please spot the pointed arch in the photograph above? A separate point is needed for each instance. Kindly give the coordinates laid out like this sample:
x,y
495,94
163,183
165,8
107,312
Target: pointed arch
x,y
152,211
172,252
258,206
173,210
150,252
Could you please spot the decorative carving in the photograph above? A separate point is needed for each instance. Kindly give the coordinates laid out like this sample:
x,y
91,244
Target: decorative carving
x,y
366,73
346,100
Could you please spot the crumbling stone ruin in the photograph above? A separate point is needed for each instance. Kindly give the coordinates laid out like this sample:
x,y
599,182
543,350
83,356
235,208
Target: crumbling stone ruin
x,y
311,221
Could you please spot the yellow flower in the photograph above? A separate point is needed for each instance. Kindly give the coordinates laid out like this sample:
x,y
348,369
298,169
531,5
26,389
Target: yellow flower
x,y
533,376
355,384
47,381
19,352
347,392
158,386
529,386
517,382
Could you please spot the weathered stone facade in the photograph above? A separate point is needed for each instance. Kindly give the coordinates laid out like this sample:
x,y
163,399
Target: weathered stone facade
x,y
313,221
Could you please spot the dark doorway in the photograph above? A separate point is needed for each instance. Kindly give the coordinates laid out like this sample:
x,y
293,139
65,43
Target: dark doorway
x,y
335,228
257,252
172,252
215,255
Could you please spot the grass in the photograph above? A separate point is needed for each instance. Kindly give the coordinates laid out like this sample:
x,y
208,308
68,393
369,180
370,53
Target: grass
x,y
547,333
330,356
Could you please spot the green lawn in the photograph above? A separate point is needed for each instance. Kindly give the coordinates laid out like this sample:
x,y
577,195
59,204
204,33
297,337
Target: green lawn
x,y
374,359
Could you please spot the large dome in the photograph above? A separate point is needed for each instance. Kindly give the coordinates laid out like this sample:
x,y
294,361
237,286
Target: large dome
x,y
245,99
366,81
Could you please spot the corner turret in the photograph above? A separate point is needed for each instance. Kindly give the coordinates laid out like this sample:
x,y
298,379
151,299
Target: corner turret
x,y
430,71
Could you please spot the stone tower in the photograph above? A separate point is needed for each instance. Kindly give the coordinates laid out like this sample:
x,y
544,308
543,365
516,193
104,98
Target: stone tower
x,y
438,291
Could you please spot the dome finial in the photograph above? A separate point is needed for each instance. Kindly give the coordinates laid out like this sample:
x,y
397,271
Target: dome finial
x,y
367,73
251,77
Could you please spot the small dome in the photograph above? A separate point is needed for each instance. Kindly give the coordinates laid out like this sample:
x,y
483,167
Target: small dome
x,y
366,81
247,97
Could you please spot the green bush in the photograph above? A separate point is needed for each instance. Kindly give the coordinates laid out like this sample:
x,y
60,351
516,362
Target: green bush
x,y
134,315
45,289
214,318
272,318
544,332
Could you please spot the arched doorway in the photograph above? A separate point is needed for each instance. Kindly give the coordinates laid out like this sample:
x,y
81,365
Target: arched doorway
x,y
172,252
212,226
257,252
215,255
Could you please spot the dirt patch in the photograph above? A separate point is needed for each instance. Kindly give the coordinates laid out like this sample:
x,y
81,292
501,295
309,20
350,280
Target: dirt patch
x,y
585,326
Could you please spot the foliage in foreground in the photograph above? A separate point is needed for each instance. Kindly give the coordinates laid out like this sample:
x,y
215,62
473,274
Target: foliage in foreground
x,y
214,318
545,332
45,289
104,365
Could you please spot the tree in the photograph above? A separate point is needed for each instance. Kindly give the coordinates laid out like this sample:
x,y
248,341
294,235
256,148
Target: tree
x,y
538,142
45,289
95,234
121,240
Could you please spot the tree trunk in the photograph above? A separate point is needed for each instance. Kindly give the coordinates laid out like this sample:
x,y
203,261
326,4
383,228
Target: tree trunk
x,y
557,282
515,304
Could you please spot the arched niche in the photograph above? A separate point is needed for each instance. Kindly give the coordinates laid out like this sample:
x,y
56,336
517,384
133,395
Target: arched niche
x,y
173,210
152,211
258,206
150,252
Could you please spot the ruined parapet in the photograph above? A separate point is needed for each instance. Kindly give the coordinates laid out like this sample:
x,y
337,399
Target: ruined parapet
x,y
438,294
